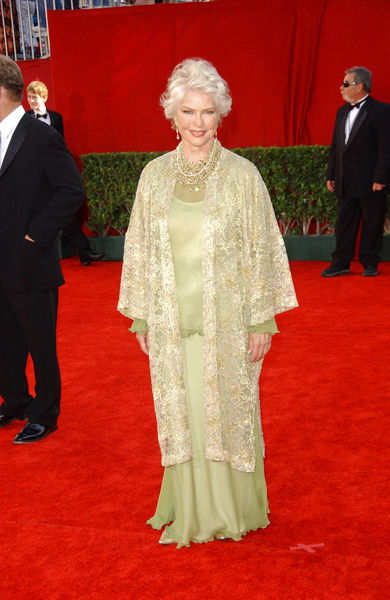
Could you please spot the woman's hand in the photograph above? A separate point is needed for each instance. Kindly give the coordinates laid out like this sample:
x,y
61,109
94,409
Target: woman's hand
x,y
143,340
259,344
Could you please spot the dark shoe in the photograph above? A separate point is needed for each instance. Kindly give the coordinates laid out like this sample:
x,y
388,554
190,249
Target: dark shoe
x,y
370,272
91,257
4,420
33,432
333,271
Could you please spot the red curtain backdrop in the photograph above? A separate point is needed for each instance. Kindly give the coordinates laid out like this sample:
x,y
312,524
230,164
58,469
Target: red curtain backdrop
x,y
353,32
37,69
283,59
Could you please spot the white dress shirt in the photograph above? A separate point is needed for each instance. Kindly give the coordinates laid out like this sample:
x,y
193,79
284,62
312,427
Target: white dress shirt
x,y
7,128
350,120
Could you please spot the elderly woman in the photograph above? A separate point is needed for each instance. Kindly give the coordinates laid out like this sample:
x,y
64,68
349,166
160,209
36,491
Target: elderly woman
x,y
204,273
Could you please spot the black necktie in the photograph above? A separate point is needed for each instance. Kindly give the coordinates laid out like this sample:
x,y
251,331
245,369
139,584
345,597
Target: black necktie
x,y
357,105
41,116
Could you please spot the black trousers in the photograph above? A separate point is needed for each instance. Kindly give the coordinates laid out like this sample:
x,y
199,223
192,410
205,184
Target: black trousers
x,y
372,212
78,238
28,326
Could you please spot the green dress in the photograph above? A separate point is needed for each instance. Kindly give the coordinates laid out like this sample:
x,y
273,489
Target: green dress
x,y
202,498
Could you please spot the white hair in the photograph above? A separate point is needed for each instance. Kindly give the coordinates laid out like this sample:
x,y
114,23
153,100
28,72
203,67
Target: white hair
x,y
195,74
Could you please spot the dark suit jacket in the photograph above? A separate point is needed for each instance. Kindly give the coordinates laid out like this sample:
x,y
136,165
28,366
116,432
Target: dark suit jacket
x,y
56,120
366,157
40,192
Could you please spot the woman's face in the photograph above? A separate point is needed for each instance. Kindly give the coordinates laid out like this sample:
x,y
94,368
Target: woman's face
x,y
197,120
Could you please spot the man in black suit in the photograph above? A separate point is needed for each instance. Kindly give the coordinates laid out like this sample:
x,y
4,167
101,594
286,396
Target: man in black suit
x,y
40,192
37,95
359,173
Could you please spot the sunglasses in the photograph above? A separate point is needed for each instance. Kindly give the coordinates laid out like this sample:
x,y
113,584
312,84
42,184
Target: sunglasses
x,y
348,83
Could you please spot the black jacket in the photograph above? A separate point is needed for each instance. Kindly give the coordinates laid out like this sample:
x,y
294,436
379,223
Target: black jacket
x,y
40,192
366,157
56,120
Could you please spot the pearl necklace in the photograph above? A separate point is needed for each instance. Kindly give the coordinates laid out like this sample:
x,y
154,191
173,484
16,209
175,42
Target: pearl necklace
x,y
195,175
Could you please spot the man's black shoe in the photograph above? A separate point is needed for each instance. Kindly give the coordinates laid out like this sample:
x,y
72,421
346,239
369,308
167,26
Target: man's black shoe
x,y
370,272
91,257
333,271
33,432
5,420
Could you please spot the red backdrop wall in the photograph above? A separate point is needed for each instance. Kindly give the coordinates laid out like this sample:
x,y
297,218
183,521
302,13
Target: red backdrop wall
x,y
283,59
37,69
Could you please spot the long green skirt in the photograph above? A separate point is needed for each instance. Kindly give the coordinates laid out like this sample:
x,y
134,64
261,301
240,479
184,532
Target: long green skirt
x,y
202,498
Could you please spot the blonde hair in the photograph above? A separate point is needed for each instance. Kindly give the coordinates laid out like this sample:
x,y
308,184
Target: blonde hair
x,y
195,74
39,88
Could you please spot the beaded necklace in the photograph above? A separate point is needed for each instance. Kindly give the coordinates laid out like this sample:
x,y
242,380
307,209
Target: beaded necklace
x,y
195,175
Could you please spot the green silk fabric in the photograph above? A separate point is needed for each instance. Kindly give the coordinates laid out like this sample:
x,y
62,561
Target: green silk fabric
x,y
203,498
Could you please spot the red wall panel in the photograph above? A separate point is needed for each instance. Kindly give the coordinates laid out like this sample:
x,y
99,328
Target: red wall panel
x,y
353,32
114,67
283,59
37,69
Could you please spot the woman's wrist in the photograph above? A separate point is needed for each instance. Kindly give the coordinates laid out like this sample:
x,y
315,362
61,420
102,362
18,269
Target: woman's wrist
x,y
139,326
268,326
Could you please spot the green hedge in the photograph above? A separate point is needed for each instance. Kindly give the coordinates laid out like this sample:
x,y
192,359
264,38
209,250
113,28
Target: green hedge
x,y
110,182
294,175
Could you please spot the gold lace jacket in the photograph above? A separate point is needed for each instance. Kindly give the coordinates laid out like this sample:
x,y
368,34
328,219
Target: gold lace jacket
x,y
246,281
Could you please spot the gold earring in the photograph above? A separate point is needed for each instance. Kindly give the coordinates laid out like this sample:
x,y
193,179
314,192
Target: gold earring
x,y
177,133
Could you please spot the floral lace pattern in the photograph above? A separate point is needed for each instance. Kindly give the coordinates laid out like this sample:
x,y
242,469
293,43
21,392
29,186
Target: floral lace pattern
x,y
246,280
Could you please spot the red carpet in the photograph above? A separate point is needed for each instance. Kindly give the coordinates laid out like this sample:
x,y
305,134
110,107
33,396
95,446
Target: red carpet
x,y
74,506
